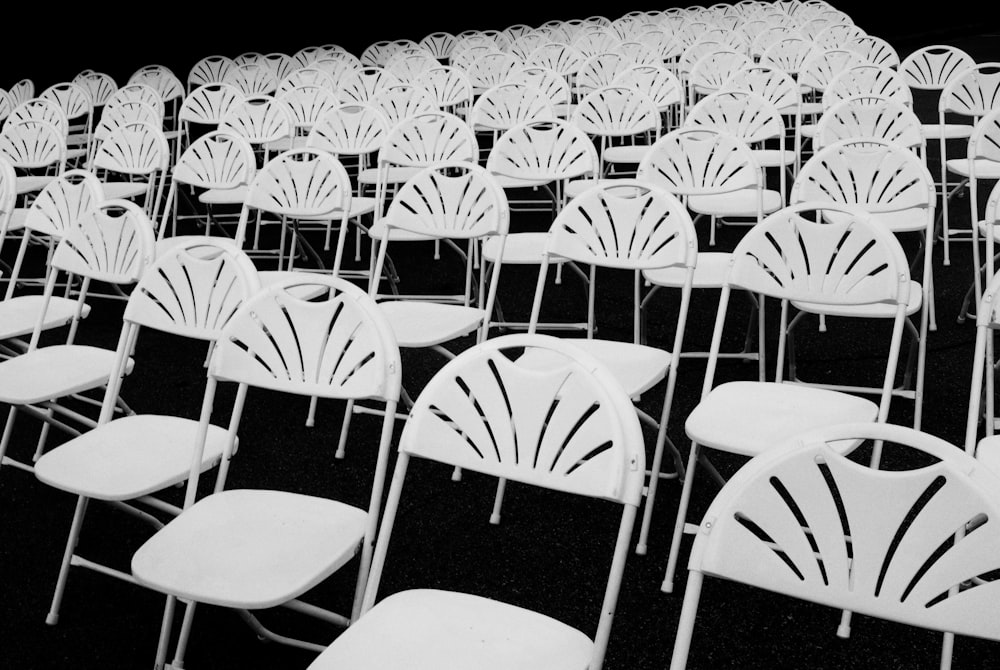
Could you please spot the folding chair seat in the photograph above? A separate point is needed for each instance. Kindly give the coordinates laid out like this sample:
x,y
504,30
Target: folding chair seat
x,y
796,254
780,525
111,243
191,290
451,423
336,346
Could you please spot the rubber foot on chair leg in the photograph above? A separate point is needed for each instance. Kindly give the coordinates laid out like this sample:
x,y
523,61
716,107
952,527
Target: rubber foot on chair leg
x,y
667,586
310,423
52,619
456,476
843,632
495,519
339,455
640,549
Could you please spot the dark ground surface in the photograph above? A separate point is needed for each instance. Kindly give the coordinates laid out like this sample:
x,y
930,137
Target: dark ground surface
x,y
551,553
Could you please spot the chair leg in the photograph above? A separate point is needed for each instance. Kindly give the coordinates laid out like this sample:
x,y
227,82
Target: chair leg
x,y
311,416
8,429
185,636
165,627
498,502
71,542
43,436
342,443
685,627
680,521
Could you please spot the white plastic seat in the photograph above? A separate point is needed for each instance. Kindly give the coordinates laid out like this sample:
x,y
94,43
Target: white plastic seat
x,y
435,628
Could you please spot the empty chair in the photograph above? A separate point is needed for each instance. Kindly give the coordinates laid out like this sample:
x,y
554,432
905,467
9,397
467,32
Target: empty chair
x,y
782,522
461,419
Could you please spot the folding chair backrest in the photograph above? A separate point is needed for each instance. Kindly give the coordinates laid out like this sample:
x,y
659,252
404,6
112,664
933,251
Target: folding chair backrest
x,y
336,346
217,159
350,129
209,70
551,150
429,138
134,149
700,161
892,565
209,103
506,105
260,119
615,111
59,206
112,242
870,116
33,144
741,113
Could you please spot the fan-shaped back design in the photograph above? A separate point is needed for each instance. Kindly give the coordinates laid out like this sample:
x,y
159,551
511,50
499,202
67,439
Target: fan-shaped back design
x,y
552,84
635,52
973,92
137,93
400,101
770,36
837,34
134,149
448,85
337,346
64,200
695,52
453,200
700,161
439,44
8,194
596,41
525,45
876,117
41,109
429,138
626,224
544,150
711,71
465,57
98,85
557,56
281,64
210,70
507,105
32,144
492,69
308,104
875,50
6,106
249,57
657,82
360,86
799,254
260,119
772,84
807,522
599,70
378,53
193,288
617,111
22,90
307,76
932,67
300,183
740,113
112,242
569,427
823,66
407,68
252,79
74,101
876,175
306,56
867,79
984,143
209,103
218,159
350,129
161,80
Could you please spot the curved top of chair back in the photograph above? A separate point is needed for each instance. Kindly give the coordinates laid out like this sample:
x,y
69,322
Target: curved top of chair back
x,y
217,159
874,116
209,103
307,76
789,54
600,69
350,129
770,83
741,113
98,85
656,81
408,67
260,119
32,144
867,79
984,143
875,50
492,69
438,43
161,79
64,200
801,253
300,183
552,84
210,70
399,101
336,346
613,111
973,91
40,109
701,161
448,85
134,149
456,200
877,175
72,98
308,103
932,67
506,105
549,150
139,93
362,85
252,79
712,70
893,567
557,56
8,193
193,288
428,138
569,427
626,224
112,242
21,91
822,66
